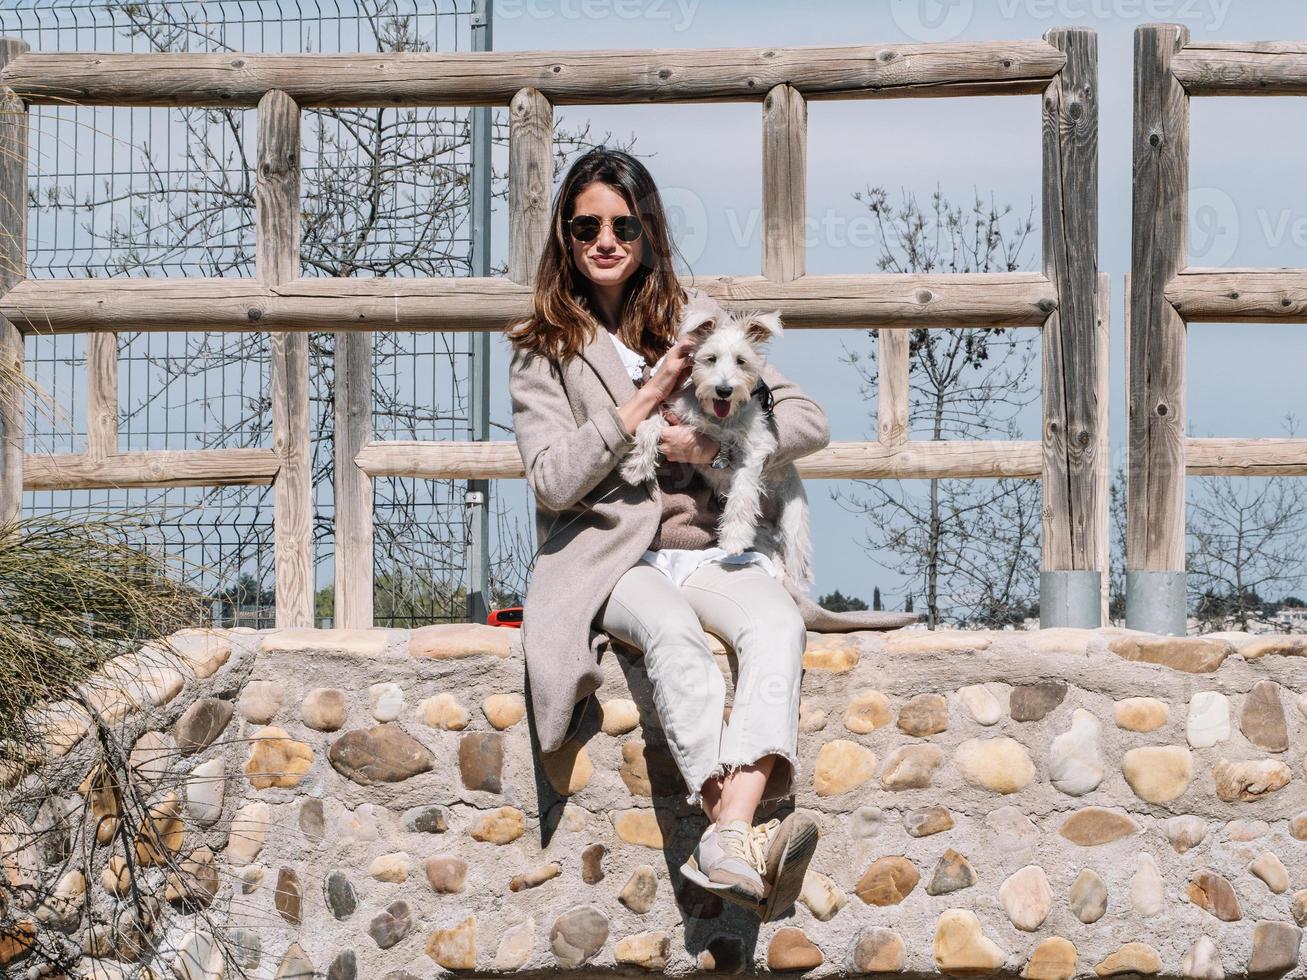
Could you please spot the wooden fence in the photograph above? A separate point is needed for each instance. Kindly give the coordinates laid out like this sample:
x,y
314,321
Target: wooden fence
x,y
1066,299
1165,295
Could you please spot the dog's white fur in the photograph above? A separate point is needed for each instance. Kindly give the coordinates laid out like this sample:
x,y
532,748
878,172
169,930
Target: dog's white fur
x,y
727,364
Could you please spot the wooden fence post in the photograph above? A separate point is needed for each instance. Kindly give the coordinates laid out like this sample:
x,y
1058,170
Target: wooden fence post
x,y
1101,542
13,269
101,395
277,246
1155,561
784,183
353,486
1071,576
892,376
530,182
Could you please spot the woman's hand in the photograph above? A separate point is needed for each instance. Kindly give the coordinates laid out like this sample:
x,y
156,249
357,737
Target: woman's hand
x,y
672,371
681,444
661,385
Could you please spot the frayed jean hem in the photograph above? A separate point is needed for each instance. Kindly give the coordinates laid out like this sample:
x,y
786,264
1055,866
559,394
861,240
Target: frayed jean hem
x,y
727,766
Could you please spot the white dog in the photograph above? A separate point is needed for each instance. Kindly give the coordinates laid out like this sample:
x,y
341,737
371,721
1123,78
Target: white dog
x,y
718,401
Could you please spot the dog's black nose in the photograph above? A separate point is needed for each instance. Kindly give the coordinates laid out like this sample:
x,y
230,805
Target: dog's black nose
x,y
724,391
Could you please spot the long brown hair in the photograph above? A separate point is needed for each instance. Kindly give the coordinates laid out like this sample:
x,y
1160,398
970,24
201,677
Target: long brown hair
x,y
562,322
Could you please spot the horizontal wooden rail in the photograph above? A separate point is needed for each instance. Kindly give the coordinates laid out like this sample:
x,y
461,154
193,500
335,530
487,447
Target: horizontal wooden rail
x,y
924,461
1242,68
158,468
61,306
838,461
431,460
1246,457
56,306
1017,299
864,71
1239,295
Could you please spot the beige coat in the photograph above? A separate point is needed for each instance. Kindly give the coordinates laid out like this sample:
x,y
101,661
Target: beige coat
x,y
591,526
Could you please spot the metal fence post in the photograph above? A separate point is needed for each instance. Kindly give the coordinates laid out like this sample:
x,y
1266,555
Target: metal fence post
x,y
13,269
477,497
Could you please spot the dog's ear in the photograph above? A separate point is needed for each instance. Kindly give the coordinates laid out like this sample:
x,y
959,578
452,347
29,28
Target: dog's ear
x,y
762,327
697,324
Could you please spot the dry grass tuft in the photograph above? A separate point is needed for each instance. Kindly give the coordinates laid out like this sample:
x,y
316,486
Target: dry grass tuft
x,y
73,595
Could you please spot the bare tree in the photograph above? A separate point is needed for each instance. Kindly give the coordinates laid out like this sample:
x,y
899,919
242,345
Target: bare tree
x,y
1116,574
1247,548
971,546
385,192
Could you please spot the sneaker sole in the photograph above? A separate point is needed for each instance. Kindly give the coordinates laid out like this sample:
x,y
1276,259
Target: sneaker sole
x,y
792,868
732,893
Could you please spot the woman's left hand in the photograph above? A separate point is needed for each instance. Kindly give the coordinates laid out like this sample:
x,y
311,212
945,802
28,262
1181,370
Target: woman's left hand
x,y
681,444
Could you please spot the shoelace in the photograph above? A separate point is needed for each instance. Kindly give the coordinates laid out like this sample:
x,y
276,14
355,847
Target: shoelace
x,y
744,842
762,836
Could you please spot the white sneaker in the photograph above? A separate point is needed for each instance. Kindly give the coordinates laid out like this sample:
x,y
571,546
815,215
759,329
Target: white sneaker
x,y
729,859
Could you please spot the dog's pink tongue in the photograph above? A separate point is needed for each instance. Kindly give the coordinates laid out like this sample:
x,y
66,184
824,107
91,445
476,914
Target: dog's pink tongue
x,y
722,407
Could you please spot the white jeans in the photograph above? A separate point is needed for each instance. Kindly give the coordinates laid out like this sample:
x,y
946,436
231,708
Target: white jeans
x,y
753,614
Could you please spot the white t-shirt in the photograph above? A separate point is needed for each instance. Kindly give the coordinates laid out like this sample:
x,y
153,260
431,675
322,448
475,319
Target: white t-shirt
x,y
678,563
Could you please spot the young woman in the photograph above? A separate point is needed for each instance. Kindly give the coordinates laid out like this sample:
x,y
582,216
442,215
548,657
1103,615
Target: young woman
x,y
639,563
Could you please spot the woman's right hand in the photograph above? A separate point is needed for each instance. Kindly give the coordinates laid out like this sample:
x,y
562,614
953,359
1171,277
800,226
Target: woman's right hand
x,y
672,371
661,385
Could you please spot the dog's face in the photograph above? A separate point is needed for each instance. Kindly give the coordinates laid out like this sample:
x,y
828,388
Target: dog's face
x,y
729,354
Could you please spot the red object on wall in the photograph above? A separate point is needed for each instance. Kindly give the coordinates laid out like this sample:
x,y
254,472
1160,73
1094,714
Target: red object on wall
x,y
510,617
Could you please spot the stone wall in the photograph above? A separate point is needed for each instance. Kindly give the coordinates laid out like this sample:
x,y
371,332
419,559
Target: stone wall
x,y
365,804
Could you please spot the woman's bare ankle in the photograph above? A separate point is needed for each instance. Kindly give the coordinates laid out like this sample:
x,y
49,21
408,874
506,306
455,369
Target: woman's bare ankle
x,y
710,797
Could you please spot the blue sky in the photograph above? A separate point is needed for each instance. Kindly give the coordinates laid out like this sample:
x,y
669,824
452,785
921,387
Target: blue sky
x,y
1249,202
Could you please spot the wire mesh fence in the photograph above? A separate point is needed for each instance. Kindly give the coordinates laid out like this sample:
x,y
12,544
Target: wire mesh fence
x,y
138,191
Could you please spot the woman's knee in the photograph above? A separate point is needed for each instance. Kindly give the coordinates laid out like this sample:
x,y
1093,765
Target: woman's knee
x,y
677,655
752,607
773,650
778,627
678,628
792,625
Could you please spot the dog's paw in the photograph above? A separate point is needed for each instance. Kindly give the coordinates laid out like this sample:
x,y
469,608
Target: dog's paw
x,y
735,542
636,470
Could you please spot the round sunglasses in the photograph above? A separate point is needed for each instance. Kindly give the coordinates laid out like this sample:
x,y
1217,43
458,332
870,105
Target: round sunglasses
x,y
586,227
